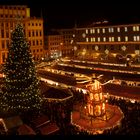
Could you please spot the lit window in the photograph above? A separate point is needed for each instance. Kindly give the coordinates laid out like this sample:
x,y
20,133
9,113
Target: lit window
x,y
134,28
118,29
112,39
98,39
111,30
86,31
98,30
135,38
119,38
126,38
138,38
103,30
84,35
104,39
86,39
91,39
91,31
125,29
137,28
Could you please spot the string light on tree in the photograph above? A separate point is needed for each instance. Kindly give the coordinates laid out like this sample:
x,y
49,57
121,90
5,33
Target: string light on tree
x,y
21,84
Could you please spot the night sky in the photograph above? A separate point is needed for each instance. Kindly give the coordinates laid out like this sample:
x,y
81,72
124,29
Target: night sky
x,y
64,14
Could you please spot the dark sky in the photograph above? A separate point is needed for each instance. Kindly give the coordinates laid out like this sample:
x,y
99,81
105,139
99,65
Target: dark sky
x,y
58,13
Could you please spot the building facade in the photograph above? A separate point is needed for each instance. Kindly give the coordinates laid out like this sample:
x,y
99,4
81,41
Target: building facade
x,y
68,41
9,16
104,42
35,36
53,46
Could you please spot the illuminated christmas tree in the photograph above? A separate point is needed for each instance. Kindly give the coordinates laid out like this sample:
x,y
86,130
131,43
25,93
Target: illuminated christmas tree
x,y
21,89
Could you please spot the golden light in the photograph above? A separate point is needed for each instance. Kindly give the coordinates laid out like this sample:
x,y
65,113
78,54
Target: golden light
x,y
96,101
133,55
114,55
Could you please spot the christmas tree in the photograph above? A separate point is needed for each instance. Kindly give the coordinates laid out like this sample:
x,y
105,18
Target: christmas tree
x,y
21,86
